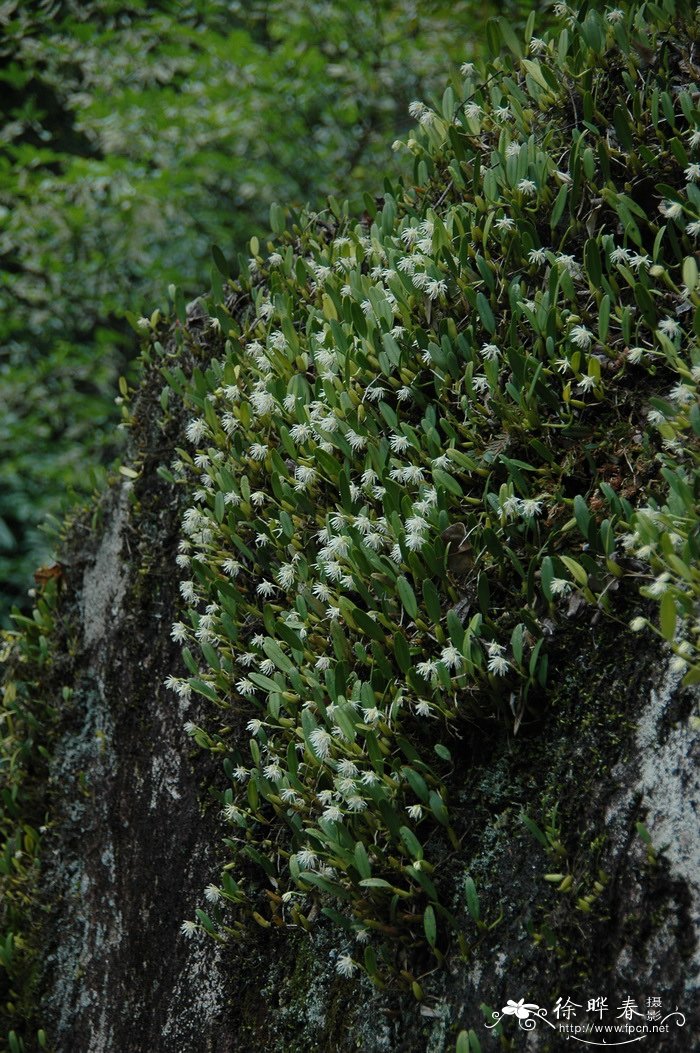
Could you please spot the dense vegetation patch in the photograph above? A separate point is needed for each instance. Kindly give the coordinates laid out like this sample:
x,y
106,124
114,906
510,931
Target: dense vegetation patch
x,y
418,443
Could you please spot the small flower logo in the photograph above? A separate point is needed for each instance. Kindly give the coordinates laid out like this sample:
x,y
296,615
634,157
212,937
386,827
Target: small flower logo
x,y
521,1009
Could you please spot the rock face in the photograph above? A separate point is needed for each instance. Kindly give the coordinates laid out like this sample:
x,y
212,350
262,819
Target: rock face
x,y
132,840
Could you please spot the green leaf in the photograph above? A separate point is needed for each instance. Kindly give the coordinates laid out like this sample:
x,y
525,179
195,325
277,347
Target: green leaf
x,y
583,515
485,313
462,1045
516,642
472,899
547,576
690,273
203,689
411,842
622,128
277,218
362,862
438,808
667,616
431,598
430,925
220,261
407,596
417,784
576,570
534,830
559,205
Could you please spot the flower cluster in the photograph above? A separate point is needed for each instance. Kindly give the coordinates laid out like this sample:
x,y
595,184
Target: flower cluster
x,y
382,530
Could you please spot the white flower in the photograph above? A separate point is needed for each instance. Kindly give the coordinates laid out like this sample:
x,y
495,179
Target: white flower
x,y
497,665
399,443
586,383
321,742
345,966
196,430
527,187
692,173
188,929
660,585
620,255
301,432
581,336
693,228
435,288
286,575
513,149
266,588
273,771
490,352
569,263
451,657
427,669
560,586
307,858
179,632
669,327
511,506
187,591
504,223
671,209
530,507
415,811
245,687
467,69
357,442
538,256
638,261
212,894
304,477
417,109
258,451
616,15
681,394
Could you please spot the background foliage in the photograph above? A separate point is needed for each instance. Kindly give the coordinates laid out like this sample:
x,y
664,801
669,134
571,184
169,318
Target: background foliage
x,y
135,135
